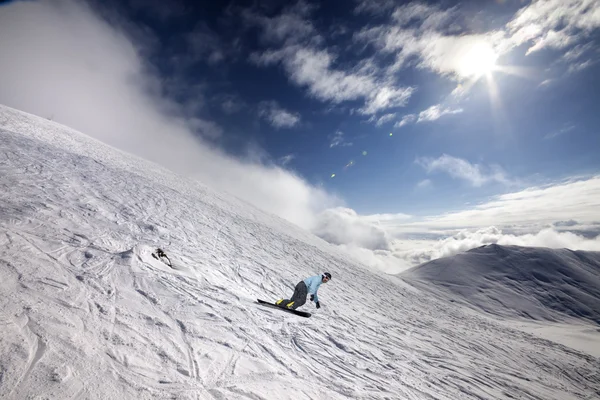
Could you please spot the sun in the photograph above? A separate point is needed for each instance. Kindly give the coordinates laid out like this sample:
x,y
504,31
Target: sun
x,y
478,60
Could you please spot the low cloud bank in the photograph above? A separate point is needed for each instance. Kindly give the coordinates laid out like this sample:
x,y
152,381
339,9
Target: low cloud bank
x,y
61,60
394,242
403,254
343,226
466,240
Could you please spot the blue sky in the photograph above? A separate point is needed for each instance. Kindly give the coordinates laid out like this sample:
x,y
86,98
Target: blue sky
x,y
239,59
433,116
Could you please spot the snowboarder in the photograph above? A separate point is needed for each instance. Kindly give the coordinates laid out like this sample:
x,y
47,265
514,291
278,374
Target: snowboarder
x,y
308,286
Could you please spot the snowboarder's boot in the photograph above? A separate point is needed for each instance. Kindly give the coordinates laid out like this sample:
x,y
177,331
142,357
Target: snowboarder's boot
x,y
285,303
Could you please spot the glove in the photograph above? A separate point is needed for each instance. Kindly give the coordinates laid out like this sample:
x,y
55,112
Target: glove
x,y
318,304
312,297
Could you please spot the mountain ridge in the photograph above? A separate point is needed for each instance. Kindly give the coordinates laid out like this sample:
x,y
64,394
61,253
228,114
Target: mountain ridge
x,y
542,283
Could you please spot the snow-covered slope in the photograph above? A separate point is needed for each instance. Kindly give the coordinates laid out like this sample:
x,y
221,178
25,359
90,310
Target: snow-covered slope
x,y
87,313
512,281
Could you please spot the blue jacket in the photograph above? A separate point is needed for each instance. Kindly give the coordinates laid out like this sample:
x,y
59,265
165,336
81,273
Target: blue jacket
x,y
313,283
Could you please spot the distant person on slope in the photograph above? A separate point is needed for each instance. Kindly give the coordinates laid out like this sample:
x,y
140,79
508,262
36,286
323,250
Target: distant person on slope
x,y
302,289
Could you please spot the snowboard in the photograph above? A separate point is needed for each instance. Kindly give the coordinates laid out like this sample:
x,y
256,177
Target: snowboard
x,y
268,304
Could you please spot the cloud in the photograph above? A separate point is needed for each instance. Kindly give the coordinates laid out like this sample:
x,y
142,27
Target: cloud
x,y
111,94
372,244
291,26
383,119
458,168
407,119
432,113
554,23
204,45
580,66
277,116
379,218
230,104
374,6
534,208
435,112
561,215
293,41
285,160
343,226
313,68
466,240
337,139
437,39
577,52
565,129
424,33
425,183
546,82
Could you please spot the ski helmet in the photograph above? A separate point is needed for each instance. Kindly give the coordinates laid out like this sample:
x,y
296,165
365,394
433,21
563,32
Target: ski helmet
x,y
327,275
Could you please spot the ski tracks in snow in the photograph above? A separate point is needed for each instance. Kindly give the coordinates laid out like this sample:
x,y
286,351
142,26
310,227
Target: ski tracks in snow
x,y
86,312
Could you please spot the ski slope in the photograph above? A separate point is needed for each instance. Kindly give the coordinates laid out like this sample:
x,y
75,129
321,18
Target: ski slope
x,y
87,313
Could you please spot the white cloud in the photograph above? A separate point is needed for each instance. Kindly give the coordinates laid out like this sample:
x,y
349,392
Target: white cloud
x,y
344,226
311,67
534,207
379,218
425,183
432,113
436,112
420,252
337,139
562,215
580,66
475,174
285,160
277,116
429,17
423,33
383,119
546,82
407,119
294,43
554,23
436,39
374,6
292,25
48,69
577,52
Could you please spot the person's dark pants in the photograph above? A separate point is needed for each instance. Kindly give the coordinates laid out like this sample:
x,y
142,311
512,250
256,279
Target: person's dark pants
x,y
298,298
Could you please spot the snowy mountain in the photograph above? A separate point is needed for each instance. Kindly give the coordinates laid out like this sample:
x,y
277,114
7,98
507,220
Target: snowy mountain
x,y
512,281
86,312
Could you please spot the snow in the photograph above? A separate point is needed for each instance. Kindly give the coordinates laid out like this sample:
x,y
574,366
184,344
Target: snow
x,y
512,281
87,313
551,293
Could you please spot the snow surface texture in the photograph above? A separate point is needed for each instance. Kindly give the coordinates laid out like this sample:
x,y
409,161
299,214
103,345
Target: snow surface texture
x,y
535,283
87,313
